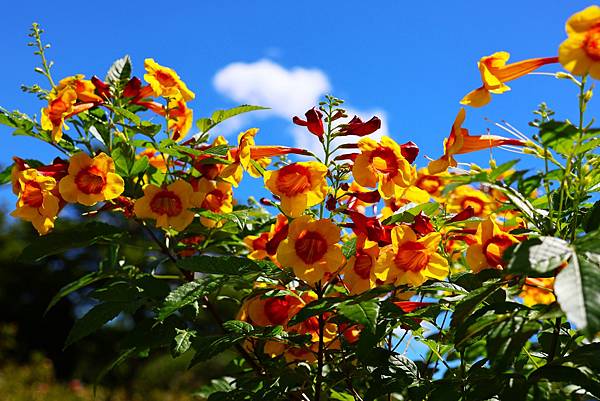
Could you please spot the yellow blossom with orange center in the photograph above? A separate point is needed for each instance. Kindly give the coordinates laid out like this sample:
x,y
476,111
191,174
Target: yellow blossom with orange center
x,y
382,165
168,205
165,82
216,197
411,260
580,52
311,249
36,202
464,196
91,180
491,242
299,186
495,73
84,88
538,291
433,184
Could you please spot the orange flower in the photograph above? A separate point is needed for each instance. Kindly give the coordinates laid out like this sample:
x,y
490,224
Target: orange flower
x,y
464,196
411,260
240,157
214,196
580,52
460,142
538,291
382,163
36,203
272,311
91,180
299,185
59,108
433,184
210,170
491,242
84,89
169,206
165,82
264,245
359,272
495,72
311,249
179,119
155,158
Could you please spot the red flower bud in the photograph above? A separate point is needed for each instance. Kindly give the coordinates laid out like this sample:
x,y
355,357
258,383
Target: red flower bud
x,y
345,186
331,203
313,122
410,151
463,215
357,127
367,197
266,202
422,224
102,89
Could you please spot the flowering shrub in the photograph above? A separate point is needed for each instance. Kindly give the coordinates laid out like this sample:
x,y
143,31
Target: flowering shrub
x,y
358,253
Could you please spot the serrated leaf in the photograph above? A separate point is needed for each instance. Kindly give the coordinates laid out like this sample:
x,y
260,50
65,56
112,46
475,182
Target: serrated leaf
x,y
134,118
237,326
75,237
577,289
119,72
225,265
187,294
182,342
407,213
222,115
74,286
364,313
539,255
349,248
312,309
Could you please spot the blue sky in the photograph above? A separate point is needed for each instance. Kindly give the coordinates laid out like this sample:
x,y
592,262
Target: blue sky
x,y
410,62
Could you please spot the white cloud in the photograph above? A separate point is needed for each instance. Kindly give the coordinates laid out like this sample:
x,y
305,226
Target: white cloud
x,y
287,92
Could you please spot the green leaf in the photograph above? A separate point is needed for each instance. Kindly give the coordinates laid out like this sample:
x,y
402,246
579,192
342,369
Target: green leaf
x,y
539,255
592,218
237,326
76,285
407,213
5,175
468,304
204,124
96,317
577,289
222,115
209,346
314,308
127,114
119,72
565,374
349,248
139,167
223,265
501,169
364,313
559,136
506,340
186,294
182,342
75,237
443,286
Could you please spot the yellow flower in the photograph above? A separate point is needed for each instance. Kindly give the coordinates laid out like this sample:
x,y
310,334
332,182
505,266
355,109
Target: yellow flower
x,y
180,119
359,272
36,203
84,89
165,82
214,196
239,157
155,158
382,163
411,260
490,243
169,206
311,249
464,196
495,72
299,185
538,291
580,52
59,108
90,180
433,184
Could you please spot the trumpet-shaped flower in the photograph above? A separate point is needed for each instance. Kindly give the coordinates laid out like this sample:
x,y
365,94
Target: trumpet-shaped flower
x,y
264,245
495,73
168,205
180,119
382,164
538,291
299,186
84,88
490,244
459,142
91,180
464,196
311,249
165,82
36,202
411,260
214,196
580,52
59,108
240,157
359,272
